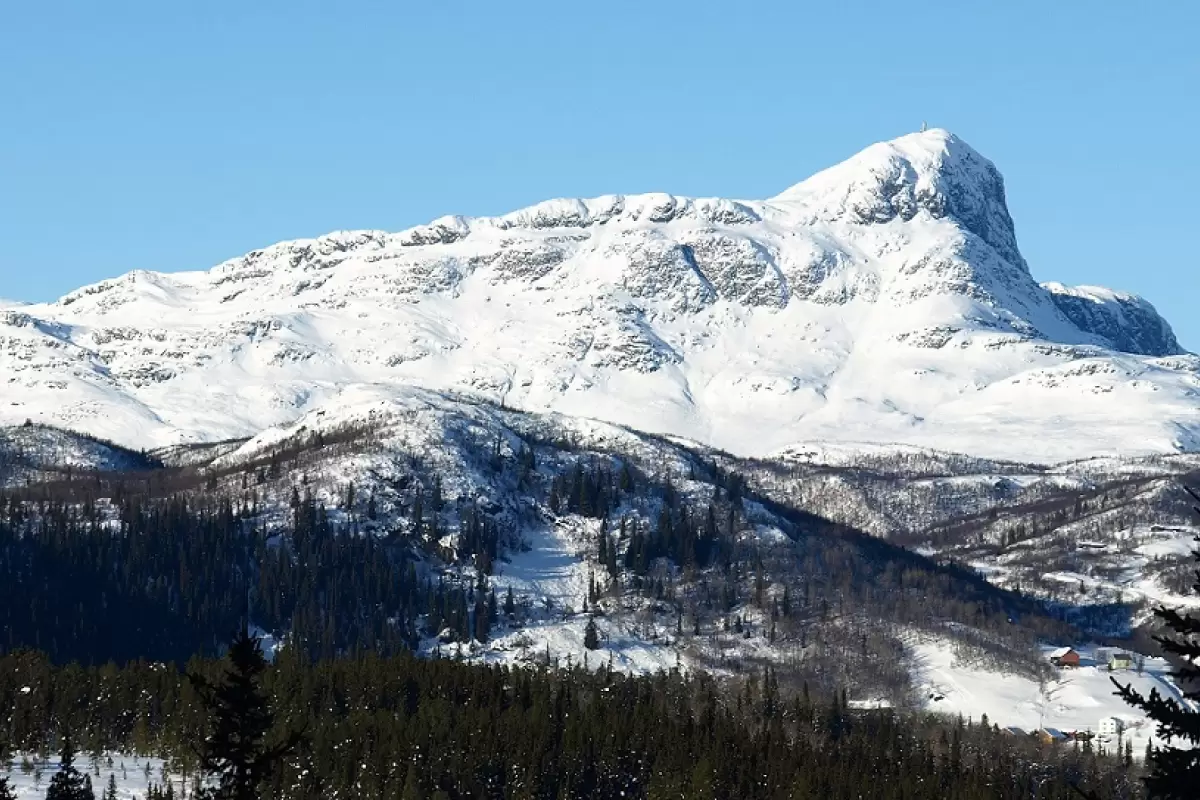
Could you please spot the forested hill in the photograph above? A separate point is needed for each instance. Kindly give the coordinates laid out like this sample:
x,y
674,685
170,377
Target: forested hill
x,y
407,728
118,565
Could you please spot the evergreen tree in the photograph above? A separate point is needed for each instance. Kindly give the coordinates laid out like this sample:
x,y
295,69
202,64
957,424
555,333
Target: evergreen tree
x,y
68,783
412,785
6,791
591,635
235,751
481,616
1174,771
110,792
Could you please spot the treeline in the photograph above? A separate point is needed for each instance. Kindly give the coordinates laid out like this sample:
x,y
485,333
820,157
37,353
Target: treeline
x,y
409,728
132,575
164,579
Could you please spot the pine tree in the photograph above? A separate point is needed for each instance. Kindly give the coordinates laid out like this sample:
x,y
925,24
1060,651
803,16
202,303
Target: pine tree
x,y
68,783
235,751
1174,771
481,616
6,791
591,635
110,792
412,785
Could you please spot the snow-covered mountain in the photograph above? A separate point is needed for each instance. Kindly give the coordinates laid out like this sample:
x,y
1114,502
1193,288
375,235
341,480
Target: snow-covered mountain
x,y
883,300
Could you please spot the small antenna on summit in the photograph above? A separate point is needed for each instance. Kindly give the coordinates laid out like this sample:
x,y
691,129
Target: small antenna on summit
x,y
924,126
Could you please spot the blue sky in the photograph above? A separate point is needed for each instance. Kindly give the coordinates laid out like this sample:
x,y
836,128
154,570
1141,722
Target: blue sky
x,y
151,135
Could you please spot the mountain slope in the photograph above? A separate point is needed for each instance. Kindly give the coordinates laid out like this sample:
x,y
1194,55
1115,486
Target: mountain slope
x,y
884,299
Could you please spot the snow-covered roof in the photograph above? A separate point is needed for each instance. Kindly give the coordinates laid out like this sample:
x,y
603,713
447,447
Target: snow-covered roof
x,y
1060,652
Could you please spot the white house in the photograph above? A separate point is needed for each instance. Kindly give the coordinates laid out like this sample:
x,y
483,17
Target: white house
x,y
1110,727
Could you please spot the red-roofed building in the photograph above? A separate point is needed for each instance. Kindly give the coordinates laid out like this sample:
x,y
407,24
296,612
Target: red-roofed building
x,y
1064,657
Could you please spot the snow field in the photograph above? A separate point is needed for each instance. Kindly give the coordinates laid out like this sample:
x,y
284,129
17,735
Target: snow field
x,y
29,776
1076,699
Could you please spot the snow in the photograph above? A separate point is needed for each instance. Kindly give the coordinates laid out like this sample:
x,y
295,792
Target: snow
x,y
128,770
881,301
880,309
1075,699
553,575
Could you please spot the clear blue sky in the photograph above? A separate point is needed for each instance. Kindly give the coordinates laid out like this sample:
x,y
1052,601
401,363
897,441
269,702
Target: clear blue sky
x,y
171,135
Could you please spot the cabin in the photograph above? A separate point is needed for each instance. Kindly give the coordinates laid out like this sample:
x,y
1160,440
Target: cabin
x,y
1013,730
1110,727
1120,661
1051,736
1064,657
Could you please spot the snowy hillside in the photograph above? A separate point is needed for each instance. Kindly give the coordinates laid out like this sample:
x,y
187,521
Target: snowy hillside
x,y
39,453
1106,538
1071,700
822,602
882,300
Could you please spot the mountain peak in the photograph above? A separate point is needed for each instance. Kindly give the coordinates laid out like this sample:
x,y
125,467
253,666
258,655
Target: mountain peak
x,y
883,299
932,171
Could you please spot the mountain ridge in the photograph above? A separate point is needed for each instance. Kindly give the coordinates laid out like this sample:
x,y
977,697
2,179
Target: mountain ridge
x,y
884,299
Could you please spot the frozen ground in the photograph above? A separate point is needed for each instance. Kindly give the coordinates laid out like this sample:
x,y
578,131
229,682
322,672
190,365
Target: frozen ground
x,y
1077,699
552,576
30,777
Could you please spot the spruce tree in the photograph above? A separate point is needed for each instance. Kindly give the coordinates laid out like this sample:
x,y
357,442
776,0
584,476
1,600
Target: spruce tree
x,y
235,751
68,783
481,618
412,785
591,635
1174,771
110,792
6,791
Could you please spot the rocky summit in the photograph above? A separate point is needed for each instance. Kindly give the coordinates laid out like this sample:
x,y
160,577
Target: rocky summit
x,y
882,300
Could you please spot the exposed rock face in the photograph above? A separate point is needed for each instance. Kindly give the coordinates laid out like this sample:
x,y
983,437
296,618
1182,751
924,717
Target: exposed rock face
x,y
884,299
1127,322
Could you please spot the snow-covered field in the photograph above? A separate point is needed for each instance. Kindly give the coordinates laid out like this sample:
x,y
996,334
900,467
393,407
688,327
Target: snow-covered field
x,y
1076,699
29,776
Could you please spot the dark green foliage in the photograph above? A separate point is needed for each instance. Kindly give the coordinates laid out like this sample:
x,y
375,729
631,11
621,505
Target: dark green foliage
x,y
591,492
173,579
235,750
68,783
403,727
170,577
6,791
591,636
1175,771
